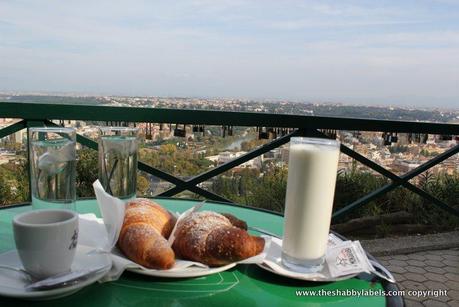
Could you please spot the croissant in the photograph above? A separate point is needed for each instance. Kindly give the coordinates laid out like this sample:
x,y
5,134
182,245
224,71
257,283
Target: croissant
x,y
211,238
143,235
235,221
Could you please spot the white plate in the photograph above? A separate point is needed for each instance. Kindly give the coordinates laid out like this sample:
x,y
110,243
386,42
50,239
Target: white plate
x,y
12,283
192,271
181,269
273,263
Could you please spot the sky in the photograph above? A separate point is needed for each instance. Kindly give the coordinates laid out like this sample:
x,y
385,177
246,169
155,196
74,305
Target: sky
x,y
357,52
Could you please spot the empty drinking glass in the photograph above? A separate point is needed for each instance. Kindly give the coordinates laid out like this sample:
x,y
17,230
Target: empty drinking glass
x,y
52,167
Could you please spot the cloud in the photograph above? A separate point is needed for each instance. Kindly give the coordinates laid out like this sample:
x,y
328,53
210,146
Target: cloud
x,y
291,49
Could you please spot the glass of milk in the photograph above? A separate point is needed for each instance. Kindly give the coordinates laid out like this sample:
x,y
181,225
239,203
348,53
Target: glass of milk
x,y
312,170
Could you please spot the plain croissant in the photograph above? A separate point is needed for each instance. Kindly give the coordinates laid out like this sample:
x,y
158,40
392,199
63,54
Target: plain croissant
x,y
143,234
211,238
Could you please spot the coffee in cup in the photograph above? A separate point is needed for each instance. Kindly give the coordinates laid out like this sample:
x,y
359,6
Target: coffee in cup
x,y
46,240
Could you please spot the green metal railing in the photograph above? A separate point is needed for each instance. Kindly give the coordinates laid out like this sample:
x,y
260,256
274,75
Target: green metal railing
x,y
40,115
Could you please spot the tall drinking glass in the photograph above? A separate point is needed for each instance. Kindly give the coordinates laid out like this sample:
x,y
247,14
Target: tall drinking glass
x,y
118,147
52,167
311,183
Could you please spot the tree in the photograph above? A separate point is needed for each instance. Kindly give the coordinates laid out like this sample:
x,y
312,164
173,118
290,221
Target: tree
x,y
270,193
142,185
168,149
14,183
5,190
22,181
87,172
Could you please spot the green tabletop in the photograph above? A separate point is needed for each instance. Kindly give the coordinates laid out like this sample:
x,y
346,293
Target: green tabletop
x,y
244,285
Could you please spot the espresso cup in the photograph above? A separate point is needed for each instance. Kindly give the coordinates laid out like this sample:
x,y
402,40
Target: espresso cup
x,y
46,240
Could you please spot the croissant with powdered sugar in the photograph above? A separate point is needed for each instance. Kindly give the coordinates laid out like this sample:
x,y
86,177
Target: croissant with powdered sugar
x,y
214,239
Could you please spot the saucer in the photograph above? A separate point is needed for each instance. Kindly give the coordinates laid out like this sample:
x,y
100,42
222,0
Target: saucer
x,y
12,284
273,264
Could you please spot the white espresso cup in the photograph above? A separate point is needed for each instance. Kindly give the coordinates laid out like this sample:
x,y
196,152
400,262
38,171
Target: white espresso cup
x,y
46,240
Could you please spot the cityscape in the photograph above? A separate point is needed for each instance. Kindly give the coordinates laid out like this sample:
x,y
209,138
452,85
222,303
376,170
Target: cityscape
x,y
398,153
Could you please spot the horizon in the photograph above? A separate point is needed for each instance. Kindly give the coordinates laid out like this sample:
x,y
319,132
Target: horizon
x,y
354,53
244,99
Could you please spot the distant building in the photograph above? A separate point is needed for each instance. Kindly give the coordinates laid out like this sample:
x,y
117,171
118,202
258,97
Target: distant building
x,y
284,154
19,137
227,156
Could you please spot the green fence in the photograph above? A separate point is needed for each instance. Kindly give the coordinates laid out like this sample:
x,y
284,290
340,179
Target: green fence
x,y
41,115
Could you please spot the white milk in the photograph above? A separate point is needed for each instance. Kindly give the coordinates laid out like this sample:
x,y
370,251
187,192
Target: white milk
x,y
311,183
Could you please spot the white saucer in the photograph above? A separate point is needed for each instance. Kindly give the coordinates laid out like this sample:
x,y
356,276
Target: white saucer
x,y
303,276
273,263
192,271
12,283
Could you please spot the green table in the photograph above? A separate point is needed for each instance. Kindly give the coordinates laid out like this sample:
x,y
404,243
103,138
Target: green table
x,y
244,285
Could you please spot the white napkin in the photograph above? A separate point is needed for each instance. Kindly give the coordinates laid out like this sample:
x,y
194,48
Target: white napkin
x,y
92,232
112,210
102,234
